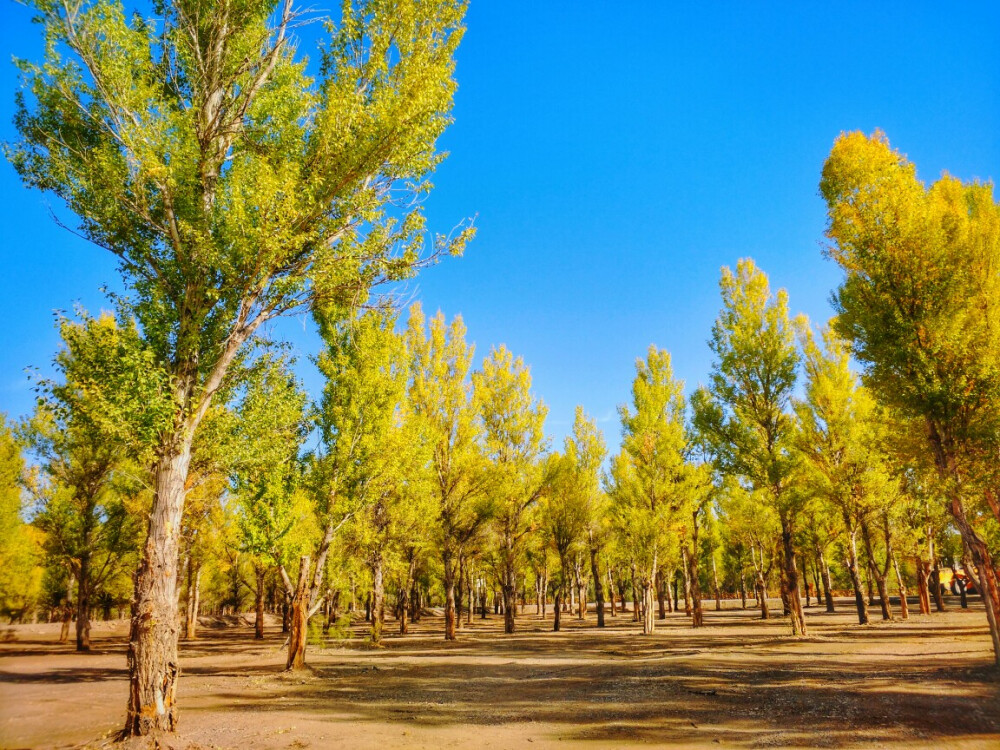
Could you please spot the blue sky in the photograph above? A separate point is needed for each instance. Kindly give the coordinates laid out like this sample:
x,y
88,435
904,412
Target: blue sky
x,y
616,155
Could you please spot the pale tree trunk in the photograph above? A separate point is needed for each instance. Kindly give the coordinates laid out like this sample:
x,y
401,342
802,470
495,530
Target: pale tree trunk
x,y
824,571
258,625
378,598
760,584
635,595
743,589
686,573
697,616
472,596
791,579
449,595
152,648
923,586
193,599
852,568
598,588
715,586
904,607
404,601
611,593
648,586
83,604
459,591
581,588
879,574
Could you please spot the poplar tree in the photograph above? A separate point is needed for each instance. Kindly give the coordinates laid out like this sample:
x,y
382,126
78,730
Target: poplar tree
x,y
920,304
233,186
513,434
365,367
85,461
650,477
744,414
442,397
270,428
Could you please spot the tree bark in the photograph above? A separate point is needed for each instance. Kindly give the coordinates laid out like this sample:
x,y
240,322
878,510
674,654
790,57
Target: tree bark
x,y
697,616
83,604
825,576
449,595
258,624
791,579
152,649
648,621
299,619
923,587
715,586
852,568
598,588
686,573
879,574
378,598
904,607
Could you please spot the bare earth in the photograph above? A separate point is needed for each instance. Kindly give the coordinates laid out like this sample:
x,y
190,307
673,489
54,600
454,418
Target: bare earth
x,y
737,682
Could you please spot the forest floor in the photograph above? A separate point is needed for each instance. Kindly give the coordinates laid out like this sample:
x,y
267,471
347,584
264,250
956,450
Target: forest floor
x,y
736,682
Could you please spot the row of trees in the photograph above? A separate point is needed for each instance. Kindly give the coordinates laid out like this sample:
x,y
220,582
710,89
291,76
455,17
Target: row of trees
x,y
434,480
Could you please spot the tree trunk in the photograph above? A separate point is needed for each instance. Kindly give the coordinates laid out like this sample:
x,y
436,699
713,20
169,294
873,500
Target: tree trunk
x,y
508,587
824,570
904,607
648,621
378,598
661,596
152,648
686,572
697,616
611,593
83,604
449,595
875,572
193,599
598,588
258,625
715,586
743,590
852,568
299,619
923,588
459,593
67,609
404,601
989,588
791,579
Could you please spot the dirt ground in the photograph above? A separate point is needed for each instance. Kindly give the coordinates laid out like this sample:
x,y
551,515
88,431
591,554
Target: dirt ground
x,y
737,682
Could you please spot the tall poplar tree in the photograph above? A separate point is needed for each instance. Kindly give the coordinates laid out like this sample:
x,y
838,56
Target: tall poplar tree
x,y
920,304
513,434
442,397
744,415
233,187
650,477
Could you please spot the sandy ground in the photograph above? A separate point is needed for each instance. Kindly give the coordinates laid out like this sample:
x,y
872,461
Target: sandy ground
x,y
737,682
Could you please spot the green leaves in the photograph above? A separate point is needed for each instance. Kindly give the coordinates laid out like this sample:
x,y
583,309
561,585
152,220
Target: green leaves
x,y
743,417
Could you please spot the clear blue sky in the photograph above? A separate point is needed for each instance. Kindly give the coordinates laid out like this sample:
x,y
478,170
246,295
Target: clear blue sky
x,y
617,155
